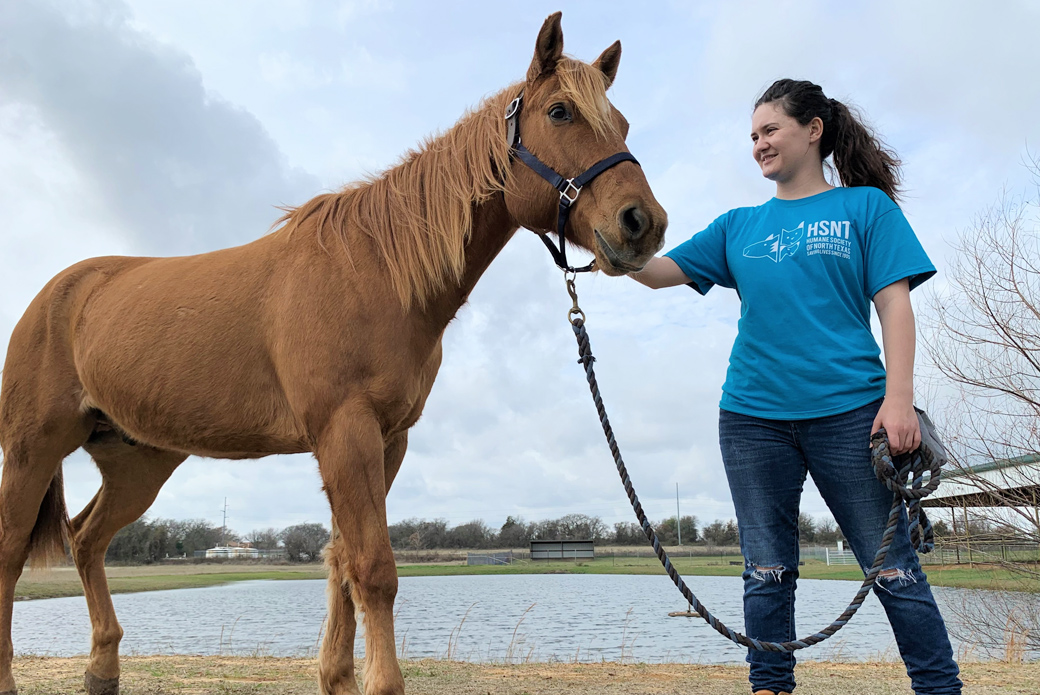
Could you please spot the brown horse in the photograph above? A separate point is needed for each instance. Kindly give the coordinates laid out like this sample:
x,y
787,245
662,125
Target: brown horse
x,y
323,336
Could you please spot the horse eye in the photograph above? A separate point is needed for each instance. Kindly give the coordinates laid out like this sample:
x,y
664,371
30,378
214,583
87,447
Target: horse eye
x,y
558,113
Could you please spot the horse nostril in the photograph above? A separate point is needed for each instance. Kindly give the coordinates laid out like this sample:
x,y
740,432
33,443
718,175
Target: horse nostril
x,y
634,221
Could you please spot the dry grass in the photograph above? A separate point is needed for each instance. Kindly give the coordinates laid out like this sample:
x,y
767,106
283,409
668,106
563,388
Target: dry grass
x,y
182,675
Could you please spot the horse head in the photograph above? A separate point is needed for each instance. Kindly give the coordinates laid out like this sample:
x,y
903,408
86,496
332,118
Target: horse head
x,y
568,123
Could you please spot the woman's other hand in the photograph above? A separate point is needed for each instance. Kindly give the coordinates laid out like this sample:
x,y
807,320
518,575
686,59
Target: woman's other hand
x,y
901,424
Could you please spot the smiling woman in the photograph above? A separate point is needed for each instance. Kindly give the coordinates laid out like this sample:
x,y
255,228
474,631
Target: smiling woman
x,y
323,337
806,388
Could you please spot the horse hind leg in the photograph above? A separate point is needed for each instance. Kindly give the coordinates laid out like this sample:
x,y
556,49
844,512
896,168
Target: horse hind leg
x,y
131,477
33,518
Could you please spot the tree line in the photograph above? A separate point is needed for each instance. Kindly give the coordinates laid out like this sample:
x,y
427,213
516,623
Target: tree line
x,y
151,540
426,534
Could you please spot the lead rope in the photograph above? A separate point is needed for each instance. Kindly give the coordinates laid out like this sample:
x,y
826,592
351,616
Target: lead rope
x,y
899,480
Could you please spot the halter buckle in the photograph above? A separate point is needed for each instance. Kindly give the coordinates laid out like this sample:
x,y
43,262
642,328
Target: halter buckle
x,y
513,107
565,194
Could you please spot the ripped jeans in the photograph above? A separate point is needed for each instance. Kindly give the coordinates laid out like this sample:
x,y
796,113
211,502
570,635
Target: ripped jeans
x,y
766,462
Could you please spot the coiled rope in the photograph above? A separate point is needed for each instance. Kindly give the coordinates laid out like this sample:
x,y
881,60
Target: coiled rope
x,y
906,481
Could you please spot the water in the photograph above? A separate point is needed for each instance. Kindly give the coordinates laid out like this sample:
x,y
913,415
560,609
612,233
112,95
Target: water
x,y
475,618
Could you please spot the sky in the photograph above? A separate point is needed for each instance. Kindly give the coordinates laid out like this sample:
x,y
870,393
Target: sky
x,y
159,128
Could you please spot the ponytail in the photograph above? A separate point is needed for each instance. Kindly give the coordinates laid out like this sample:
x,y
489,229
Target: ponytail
x,y
860,157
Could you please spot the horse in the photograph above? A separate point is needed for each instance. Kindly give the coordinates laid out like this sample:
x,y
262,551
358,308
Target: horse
x,y
321,336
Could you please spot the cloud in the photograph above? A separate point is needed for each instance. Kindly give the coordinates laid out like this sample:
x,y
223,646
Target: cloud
x,y
180,169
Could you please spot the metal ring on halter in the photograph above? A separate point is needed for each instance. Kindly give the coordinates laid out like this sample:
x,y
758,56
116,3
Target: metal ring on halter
x,y
514,106
565,193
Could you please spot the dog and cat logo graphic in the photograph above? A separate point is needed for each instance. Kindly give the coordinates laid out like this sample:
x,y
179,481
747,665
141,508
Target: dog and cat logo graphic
x,y
829,237
777,247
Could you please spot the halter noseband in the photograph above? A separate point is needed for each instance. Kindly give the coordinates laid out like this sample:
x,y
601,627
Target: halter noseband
x,y
568,188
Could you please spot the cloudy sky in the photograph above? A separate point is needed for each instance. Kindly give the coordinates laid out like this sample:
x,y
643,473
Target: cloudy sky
x,y
159,128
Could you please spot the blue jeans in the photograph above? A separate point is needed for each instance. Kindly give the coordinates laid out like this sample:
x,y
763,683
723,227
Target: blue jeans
x,y
766,462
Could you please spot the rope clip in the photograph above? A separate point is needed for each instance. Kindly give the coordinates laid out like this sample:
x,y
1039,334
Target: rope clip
x,y
575,310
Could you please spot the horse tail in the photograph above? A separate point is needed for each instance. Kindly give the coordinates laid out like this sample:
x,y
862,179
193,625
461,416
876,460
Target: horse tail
x,y
50,534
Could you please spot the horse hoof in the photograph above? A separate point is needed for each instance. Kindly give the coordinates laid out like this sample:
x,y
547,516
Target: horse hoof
x,y
100,686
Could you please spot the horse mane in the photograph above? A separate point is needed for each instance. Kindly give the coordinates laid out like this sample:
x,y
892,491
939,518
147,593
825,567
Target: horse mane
x,y
419,213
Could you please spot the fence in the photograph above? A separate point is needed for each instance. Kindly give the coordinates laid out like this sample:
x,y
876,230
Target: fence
x,y
959,551
489,558
947,552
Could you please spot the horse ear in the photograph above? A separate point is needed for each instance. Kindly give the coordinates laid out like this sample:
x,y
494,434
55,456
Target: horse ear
x,y
548,49
608,62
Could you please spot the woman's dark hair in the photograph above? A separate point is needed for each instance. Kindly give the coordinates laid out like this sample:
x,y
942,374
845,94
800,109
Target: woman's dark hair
x,y
860,158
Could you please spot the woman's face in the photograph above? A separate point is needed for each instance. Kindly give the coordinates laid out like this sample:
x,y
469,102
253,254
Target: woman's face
x,y
782,146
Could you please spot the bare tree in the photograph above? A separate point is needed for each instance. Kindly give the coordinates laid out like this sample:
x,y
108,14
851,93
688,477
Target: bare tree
x,y
983,336
721,532
669,535
514,533
981,331
263,539
304,542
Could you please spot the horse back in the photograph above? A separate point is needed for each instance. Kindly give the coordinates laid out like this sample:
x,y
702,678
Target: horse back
x,y
237,353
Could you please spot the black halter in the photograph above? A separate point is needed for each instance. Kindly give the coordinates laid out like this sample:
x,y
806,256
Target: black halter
x,y
568,188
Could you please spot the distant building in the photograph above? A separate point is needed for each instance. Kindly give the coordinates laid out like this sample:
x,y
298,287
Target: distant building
x,y
232,553
1005,483
563,550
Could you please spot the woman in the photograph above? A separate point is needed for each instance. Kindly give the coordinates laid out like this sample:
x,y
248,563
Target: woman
x,y
806,387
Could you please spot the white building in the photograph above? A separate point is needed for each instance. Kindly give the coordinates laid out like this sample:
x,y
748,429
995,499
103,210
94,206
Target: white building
x,y
232,553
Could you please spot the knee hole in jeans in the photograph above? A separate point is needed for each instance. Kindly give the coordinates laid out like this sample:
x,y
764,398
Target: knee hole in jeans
x,y
766,572
894,575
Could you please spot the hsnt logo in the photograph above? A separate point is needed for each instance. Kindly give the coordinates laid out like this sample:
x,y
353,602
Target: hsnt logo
x,y
834,228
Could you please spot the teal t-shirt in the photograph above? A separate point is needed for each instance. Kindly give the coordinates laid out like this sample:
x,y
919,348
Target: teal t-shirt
x,y
806,271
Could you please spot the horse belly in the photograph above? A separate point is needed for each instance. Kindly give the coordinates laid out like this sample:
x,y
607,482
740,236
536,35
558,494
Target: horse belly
x,y
181,369
211,407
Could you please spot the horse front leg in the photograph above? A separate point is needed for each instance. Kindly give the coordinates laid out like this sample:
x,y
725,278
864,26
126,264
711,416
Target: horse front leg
x,y
362,571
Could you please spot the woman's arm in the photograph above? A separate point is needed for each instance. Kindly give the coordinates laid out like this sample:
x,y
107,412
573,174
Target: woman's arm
x,y
660,272
899,337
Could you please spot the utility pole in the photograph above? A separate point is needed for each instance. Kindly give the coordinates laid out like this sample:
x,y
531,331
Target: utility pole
x,y
678,518
223,529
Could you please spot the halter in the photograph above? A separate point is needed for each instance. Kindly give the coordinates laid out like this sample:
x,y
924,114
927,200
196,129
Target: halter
x,y
568,188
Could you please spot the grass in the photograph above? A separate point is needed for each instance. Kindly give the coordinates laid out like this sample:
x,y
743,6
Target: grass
x,y
184,675
938,575
63,581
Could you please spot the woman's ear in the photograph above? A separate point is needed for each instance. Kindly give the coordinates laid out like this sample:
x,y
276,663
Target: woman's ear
x,y
815,129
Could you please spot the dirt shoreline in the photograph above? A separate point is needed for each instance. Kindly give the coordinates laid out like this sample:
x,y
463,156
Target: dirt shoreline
x,y
196,675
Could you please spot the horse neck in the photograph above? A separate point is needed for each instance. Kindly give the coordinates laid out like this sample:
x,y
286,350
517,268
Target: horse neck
x,y
493,227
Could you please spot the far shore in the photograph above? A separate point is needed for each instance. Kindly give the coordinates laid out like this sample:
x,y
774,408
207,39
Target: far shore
x,y
64,581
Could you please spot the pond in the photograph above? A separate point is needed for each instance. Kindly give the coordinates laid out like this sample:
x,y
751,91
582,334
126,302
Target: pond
x,y
514,618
